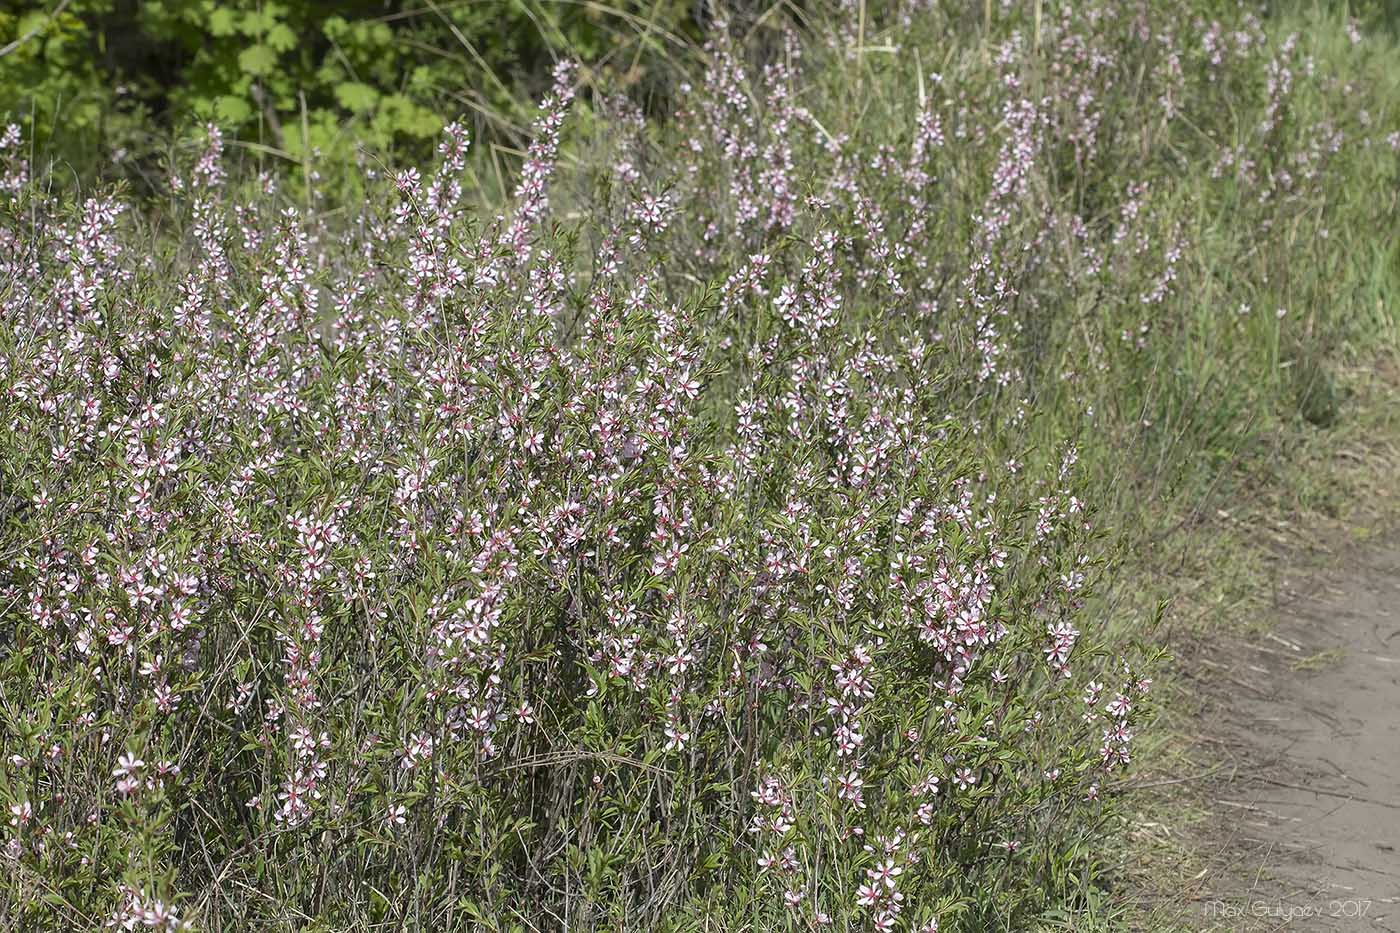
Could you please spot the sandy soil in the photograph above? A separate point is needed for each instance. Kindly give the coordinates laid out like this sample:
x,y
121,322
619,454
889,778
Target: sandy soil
x,y
1309,717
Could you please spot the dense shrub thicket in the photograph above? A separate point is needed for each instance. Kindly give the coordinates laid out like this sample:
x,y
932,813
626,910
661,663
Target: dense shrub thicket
x,y
705,537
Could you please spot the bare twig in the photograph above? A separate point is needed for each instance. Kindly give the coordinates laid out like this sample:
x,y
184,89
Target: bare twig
x,y
38,28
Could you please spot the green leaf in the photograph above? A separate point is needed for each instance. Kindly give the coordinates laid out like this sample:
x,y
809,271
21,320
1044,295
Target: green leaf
x,y
257,22
230,110
32,22
335,28
257,60
222,22
356,97
281,38
398,114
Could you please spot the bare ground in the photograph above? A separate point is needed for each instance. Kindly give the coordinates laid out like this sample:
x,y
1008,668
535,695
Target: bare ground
x,y
1305,809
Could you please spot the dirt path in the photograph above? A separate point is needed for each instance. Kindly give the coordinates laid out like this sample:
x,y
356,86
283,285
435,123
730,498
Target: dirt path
x,y
1310,719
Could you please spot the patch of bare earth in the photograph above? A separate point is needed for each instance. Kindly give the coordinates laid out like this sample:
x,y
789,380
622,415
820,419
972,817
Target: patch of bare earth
x,y
1305,722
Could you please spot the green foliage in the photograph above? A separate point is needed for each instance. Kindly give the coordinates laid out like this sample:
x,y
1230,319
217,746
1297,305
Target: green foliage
x,y
98,77
52,77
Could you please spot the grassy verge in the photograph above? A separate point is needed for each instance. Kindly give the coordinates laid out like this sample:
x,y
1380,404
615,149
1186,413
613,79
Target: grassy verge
x,y
1335,491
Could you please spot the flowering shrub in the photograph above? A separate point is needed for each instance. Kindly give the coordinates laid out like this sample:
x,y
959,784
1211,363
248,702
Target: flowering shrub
x,y
709,549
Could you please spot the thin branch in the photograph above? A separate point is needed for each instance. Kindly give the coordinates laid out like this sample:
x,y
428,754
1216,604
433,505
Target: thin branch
x,y
6,50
